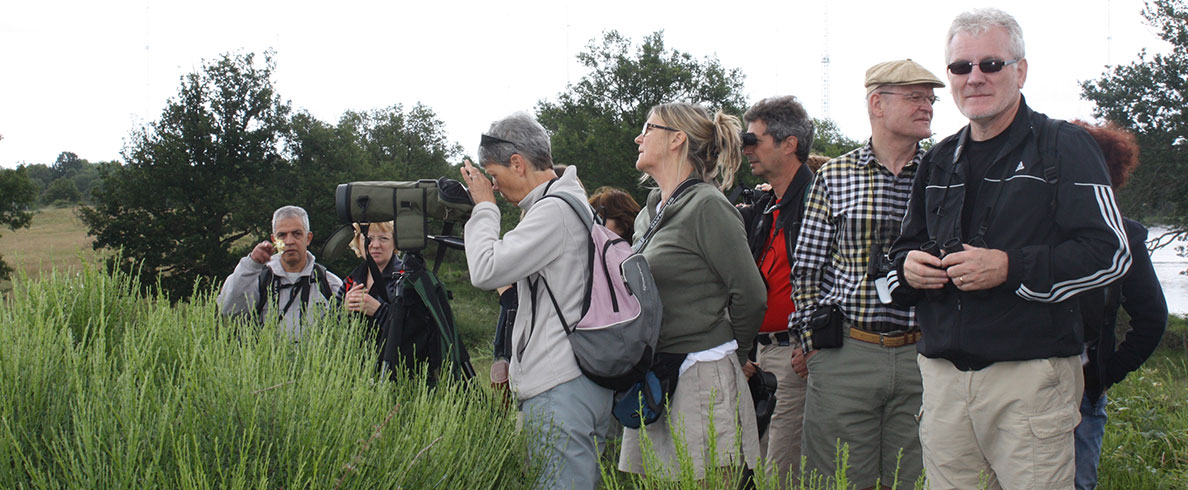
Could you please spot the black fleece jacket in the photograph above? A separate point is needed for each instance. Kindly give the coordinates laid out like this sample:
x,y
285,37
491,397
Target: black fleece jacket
x,y
1058,245
1143,299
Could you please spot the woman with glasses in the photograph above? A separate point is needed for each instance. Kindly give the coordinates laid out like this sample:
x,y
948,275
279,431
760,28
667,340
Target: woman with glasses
x,y
713,296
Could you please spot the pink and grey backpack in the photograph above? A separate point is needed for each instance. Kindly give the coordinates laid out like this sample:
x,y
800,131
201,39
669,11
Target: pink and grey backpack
x,y
615,339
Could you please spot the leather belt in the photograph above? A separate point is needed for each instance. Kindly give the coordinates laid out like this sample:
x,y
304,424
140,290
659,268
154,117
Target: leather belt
x,y
886,340
780,338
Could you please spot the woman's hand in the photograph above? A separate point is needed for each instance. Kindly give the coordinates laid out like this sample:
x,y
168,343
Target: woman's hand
x,y
358,300
480,187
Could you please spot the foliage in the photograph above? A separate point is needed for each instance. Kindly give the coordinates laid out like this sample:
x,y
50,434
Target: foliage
x,y
828,139
1146,440
1148,97
17,193
198,180
69,180
61,191
382,144
105,388
595,121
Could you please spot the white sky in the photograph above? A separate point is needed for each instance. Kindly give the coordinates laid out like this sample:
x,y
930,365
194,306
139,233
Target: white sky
x,y
81,75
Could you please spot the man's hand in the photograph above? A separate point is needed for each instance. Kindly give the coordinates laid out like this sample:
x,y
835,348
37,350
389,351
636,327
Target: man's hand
x,y
974,268
923,271
800,362
262,252
480,188
749,369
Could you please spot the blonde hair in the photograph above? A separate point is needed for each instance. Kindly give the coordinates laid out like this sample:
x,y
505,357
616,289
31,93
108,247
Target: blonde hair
x,y
713,146
357,244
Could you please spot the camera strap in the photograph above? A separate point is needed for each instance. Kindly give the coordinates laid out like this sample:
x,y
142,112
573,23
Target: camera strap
x,y
654,226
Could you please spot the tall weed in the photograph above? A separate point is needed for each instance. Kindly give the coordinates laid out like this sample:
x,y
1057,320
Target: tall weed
x,y
103,388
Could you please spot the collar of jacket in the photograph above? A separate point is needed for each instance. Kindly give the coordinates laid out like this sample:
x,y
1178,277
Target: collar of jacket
x,y
796,189
568,180
1022,126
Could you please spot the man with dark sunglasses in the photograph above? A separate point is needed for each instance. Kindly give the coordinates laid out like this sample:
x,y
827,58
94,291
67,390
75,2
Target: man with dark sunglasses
x,y
777,140
863,384
1025,219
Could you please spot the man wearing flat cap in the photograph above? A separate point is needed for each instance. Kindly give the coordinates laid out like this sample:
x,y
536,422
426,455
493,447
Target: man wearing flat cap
x,y
863,382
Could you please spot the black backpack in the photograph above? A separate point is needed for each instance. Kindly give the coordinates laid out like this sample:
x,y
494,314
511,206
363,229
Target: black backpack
x,y
270,282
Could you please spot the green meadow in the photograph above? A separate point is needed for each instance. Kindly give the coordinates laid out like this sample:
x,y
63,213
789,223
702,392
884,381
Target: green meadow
x,y
105,386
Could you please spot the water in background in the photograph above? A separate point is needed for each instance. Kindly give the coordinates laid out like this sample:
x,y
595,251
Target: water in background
x,y
1168,266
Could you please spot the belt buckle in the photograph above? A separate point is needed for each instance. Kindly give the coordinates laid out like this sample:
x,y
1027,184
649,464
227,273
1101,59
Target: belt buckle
x,y
882,339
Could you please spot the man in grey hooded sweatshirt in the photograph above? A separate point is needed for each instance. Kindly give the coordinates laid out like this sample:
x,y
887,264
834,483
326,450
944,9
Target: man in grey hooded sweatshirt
x,y
565,410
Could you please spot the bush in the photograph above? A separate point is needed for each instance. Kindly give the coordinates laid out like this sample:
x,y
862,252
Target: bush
x,y
104,388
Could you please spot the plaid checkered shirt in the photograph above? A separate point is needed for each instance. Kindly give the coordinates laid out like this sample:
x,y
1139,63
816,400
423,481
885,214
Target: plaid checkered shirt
x,y
855,202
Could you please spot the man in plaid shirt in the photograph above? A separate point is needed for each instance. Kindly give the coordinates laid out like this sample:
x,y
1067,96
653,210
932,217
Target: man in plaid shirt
x,y
863,383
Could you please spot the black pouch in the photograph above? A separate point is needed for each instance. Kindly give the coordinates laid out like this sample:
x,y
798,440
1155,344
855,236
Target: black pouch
x,y
826,327
645,402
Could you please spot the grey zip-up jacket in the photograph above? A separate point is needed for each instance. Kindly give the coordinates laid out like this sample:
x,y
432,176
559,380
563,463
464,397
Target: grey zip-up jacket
x,y
241,290
549,241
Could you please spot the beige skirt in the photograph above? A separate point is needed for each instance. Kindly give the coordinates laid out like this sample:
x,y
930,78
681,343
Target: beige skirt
x,y
707,391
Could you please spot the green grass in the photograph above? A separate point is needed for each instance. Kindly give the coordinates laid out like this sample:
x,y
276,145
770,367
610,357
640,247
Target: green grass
x,y
104,387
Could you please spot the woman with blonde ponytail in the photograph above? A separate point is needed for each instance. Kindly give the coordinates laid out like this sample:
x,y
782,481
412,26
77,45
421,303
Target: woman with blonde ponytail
x,y
713,295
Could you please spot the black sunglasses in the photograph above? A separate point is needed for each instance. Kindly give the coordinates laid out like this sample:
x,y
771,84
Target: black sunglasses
x,y
749,139
489,140
987,66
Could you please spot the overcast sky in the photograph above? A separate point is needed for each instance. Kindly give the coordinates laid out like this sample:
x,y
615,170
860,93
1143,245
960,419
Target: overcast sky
x,y
81,75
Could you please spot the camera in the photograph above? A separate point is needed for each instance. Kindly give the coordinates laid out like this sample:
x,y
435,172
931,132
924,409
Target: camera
x,y
409,205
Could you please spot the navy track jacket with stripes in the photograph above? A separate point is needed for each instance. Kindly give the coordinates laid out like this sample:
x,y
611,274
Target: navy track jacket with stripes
x,y
1062,236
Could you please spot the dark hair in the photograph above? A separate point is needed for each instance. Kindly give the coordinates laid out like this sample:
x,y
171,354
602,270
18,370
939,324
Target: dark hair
x,y
815,161
1119,147
784,117
613,203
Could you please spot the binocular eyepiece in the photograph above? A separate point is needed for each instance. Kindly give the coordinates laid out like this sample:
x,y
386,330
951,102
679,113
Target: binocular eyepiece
x,y
935,249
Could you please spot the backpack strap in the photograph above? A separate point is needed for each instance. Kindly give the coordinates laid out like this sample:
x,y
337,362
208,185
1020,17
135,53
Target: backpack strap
x,y
1050,154
263,287
319,277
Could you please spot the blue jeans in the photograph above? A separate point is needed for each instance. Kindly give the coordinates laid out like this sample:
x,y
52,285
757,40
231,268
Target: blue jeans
x,y
1088,440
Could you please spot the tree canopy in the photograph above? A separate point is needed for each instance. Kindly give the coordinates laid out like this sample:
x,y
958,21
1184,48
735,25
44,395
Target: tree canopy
x,y
17,194
1148,97
594,122
198,180
200,184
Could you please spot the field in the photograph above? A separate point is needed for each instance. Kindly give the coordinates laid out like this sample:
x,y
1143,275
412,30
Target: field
x,y
102,386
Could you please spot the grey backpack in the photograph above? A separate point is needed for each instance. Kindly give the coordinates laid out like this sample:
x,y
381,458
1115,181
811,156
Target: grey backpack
x,y
615,338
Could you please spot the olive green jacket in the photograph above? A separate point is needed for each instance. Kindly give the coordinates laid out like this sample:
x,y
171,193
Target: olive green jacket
x,y
711,290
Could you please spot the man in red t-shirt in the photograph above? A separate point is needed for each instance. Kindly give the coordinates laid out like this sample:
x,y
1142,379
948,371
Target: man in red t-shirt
x,y
779,134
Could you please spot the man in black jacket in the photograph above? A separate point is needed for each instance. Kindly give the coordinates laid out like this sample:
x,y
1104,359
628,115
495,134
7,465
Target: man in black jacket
x,y
1009,219
779,135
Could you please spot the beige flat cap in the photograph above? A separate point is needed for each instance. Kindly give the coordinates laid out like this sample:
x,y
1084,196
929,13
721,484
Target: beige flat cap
x,y
900,72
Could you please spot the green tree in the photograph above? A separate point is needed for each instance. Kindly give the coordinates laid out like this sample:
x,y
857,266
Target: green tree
x,y
828,139
381,144
200,183
61,191
595,121
17,194
1148,97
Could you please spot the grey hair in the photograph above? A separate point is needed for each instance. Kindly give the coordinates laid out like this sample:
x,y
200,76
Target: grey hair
x,y
287,212
784,117
528,138
976,22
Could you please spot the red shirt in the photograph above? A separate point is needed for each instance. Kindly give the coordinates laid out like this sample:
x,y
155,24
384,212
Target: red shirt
x,y
777,274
